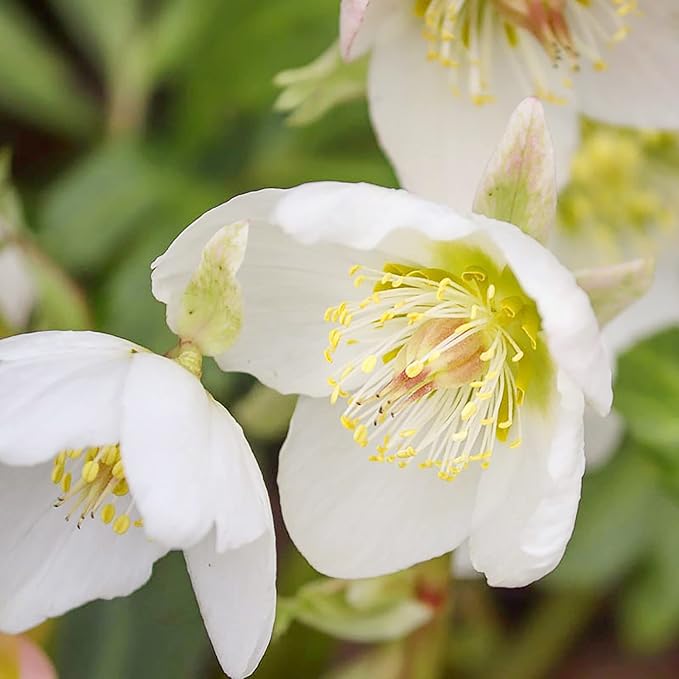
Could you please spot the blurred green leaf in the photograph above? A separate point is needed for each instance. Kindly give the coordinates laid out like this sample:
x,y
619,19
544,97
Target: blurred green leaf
x,y
35,81
378,609
647,390
650,604
265,413
386,662
156,632
91,210
611,530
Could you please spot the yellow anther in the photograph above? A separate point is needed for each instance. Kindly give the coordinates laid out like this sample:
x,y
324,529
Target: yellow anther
x,y
361,435
108,513
407,433
426,465
118,470
328,313
414,369
515,444
485,465
506,424
376,458
488,354
109,455
60,459
57,473
91,454
359,280
66,482
75,453
390,458
90,471
369,363
484,395
139,523
328,354
335,394
346,372
121,524
600,65
490,293
348,423
121,488
354,269
469,411
460,435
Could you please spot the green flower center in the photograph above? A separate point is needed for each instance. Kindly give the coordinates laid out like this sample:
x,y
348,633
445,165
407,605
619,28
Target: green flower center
x,y
439,365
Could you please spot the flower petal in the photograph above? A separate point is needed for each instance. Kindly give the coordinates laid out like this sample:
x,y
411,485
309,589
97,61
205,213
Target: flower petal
x,y
639,86
570,326
359,22
440,143
525,536
602,437
47,565
240,499
236,593
164,444
59,390
352,518
656,310
17,291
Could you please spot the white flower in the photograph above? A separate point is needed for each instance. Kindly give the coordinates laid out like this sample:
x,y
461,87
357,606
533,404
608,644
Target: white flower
x,y
445,403
445,75
17,290
111,455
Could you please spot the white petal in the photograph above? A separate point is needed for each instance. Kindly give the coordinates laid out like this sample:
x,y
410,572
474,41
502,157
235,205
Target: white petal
x,y
602,437
352,518
461,566
241,502
525,536
236,593
359,22
47,565
570,325
172,271
59,390
440,143
639,86
164,443
17,291
656,310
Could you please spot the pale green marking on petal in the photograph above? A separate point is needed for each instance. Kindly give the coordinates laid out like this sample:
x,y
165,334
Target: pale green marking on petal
x,y
612,289
519,184
211,312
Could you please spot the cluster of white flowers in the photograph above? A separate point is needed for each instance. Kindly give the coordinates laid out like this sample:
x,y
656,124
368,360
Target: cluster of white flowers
x,y
443,358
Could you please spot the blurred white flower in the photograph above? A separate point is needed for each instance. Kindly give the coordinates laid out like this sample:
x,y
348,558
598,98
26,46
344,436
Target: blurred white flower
x,y
111,455
17,289
445,75
459,348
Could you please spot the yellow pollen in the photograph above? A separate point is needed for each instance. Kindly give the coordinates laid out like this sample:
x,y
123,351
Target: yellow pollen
x,y
414,369
101,477
121,524
369,363
469,411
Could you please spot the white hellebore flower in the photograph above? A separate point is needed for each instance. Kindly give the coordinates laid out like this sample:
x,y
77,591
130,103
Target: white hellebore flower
x,y
110,456
446,74
446,402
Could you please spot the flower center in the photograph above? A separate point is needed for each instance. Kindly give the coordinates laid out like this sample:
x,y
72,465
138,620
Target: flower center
x,y
100,485
440,364
463,33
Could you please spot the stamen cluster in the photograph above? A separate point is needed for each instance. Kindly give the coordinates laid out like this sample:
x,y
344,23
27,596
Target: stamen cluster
x,y
463,33
439,364
100,481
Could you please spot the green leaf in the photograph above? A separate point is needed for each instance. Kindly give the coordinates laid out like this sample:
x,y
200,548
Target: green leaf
x,y
36,83
611,530
156,632
649,611
89,212
647,391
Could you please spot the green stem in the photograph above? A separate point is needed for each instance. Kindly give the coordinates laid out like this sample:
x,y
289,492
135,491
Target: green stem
x,y
554,626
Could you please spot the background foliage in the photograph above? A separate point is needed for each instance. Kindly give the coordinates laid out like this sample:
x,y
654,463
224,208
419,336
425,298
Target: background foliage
x,y
128,119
